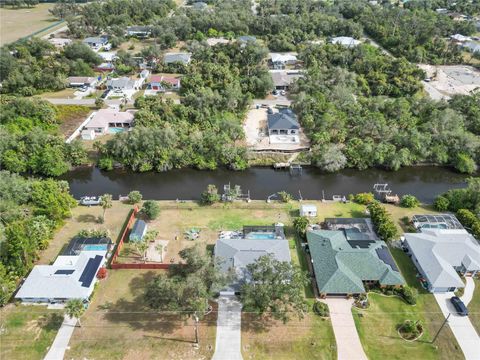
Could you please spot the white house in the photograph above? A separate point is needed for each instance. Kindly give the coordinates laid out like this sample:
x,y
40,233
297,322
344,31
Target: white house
x,y
103,119
345,41
177,57
440,255
59,43
69,277
123,83
308,210
78,81
139,31
97,43
280,60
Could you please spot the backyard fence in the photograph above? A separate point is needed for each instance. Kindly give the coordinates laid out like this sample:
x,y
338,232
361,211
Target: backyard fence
x,y
126,230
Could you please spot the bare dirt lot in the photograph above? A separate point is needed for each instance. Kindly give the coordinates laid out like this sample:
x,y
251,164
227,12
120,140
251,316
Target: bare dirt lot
x,y
448,80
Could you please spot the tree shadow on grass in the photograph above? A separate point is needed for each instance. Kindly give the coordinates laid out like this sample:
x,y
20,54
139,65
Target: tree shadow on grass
x,y
137,315
87,218
50,322
255,323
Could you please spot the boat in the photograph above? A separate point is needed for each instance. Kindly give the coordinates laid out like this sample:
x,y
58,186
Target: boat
x,y
90,200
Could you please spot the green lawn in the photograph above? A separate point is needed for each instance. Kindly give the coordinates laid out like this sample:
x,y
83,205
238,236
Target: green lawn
x,y
377,326
474,307
26,332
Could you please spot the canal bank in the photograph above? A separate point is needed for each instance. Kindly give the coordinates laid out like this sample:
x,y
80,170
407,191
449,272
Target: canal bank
x,y
425,182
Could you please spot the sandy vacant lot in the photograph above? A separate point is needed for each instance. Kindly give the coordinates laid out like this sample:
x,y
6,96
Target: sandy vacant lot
x,y
448,80
17,23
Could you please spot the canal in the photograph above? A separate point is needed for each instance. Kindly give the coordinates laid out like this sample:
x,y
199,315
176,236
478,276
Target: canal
x,y
425,182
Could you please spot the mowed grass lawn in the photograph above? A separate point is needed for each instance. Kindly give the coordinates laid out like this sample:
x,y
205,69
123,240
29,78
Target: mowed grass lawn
x,y
118,325
26,332
18,23
474,307
377,325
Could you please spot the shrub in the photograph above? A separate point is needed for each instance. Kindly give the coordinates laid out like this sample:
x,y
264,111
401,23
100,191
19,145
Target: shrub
x,y
383,222
300,225
321,309
93,233
470,221
151,209
105,163
441,203
134,197
409,294
409,201
102,273
364,198
285,197
210,195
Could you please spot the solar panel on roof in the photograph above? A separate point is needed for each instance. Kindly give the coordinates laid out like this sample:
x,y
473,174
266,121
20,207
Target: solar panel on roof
x,y
362,244
90,270
64,272
386,257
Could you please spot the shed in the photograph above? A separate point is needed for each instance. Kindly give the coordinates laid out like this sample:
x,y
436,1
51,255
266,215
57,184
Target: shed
x,y
138,231
308,210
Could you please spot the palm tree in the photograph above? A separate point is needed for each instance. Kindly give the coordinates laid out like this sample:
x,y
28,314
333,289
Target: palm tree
x,y
106,203
74,309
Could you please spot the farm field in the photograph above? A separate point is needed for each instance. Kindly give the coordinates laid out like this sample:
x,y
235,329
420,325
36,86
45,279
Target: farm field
x,y
18,23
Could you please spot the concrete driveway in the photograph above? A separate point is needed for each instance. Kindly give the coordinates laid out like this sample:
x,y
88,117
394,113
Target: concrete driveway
x,y
229,322
461,326
60,344
346,336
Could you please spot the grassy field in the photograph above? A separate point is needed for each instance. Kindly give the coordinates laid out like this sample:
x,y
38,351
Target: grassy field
x,y
118,325
26,332
474,307
18,23
377,326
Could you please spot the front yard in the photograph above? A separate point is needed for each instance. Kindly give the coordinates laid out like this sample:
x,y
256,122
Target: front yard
x,y
26,332
474,307
377,325
118,325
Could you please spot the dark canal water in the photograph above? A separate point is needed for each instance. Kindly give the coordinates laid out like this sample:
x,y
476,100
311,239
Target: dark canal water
x,y
423,182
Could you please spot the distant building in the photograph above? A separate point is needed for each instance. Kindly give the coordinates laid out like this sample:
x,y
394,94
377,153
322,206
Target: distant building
x,y
59,43
123,83
280,60
78,81
96,43
216,41
308,210
247,38
345,41
440,255
200,5
108,56
105,67
282,79
346,267
171,58
164,83
472,46
139,31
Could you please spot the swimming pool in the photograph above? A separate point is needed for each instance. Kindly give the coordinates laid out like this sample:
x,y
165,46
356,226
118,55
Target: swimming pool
x,y
114,130
261,235
99,247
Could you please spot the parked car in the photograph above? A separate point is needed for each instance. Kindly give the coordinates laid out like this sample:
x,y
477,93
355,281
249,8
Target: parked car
x,y
275,92
282,92
105,94
459,306
83,88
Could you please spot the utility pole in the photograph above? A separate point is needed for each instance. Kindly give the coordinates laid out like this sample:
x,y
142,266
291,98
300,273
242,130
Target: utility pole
x,y
196,327
441,327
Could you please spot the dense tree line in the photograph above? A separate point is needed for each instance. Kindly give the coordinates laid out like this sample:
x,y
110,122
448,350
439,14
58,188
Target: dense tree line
x,y
204,131
360,109
418,35
464,7
32,66
30,210
30,144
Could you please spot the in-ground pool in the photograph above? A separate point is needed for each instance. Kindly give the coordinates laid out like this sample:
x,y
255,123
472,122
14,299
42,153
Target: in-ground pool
x,y
261,235
100,247
114,130
435,226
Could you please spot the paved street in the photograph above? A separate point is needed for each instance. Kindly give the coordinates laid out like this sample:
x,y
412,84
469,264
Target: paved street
x,y
461,326
84,101
346,336
229,322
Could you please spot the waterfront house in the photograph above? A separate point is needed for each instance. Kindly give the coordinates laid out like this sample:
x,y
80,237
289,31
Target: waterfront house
x,y
235,250
104,120
308,210
442,255
283,127
347,264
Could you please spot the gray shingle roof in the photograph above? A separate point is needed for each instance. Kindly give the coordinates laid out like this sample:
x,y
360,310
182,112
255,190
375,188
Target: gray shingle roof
x,y
177,57
284,119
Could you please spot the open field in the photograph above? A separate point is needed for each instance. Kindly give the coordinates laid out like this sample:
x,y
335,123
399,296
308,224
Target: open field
x,y
474,307
70,117
377,325
26,332
18,23
118,325
84,217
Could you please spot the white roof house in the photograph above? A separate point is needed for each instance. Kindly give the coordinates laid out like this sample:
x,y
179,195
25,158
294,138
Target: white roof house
x,y
460,38
101,120
308,210
439,254
70,277
175,57
345,41
279,60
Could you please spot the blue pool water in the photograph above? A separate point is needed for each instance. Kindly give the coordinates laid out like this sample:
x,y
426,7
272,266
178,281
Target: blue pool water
x,y
114,130
261,236
100,247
